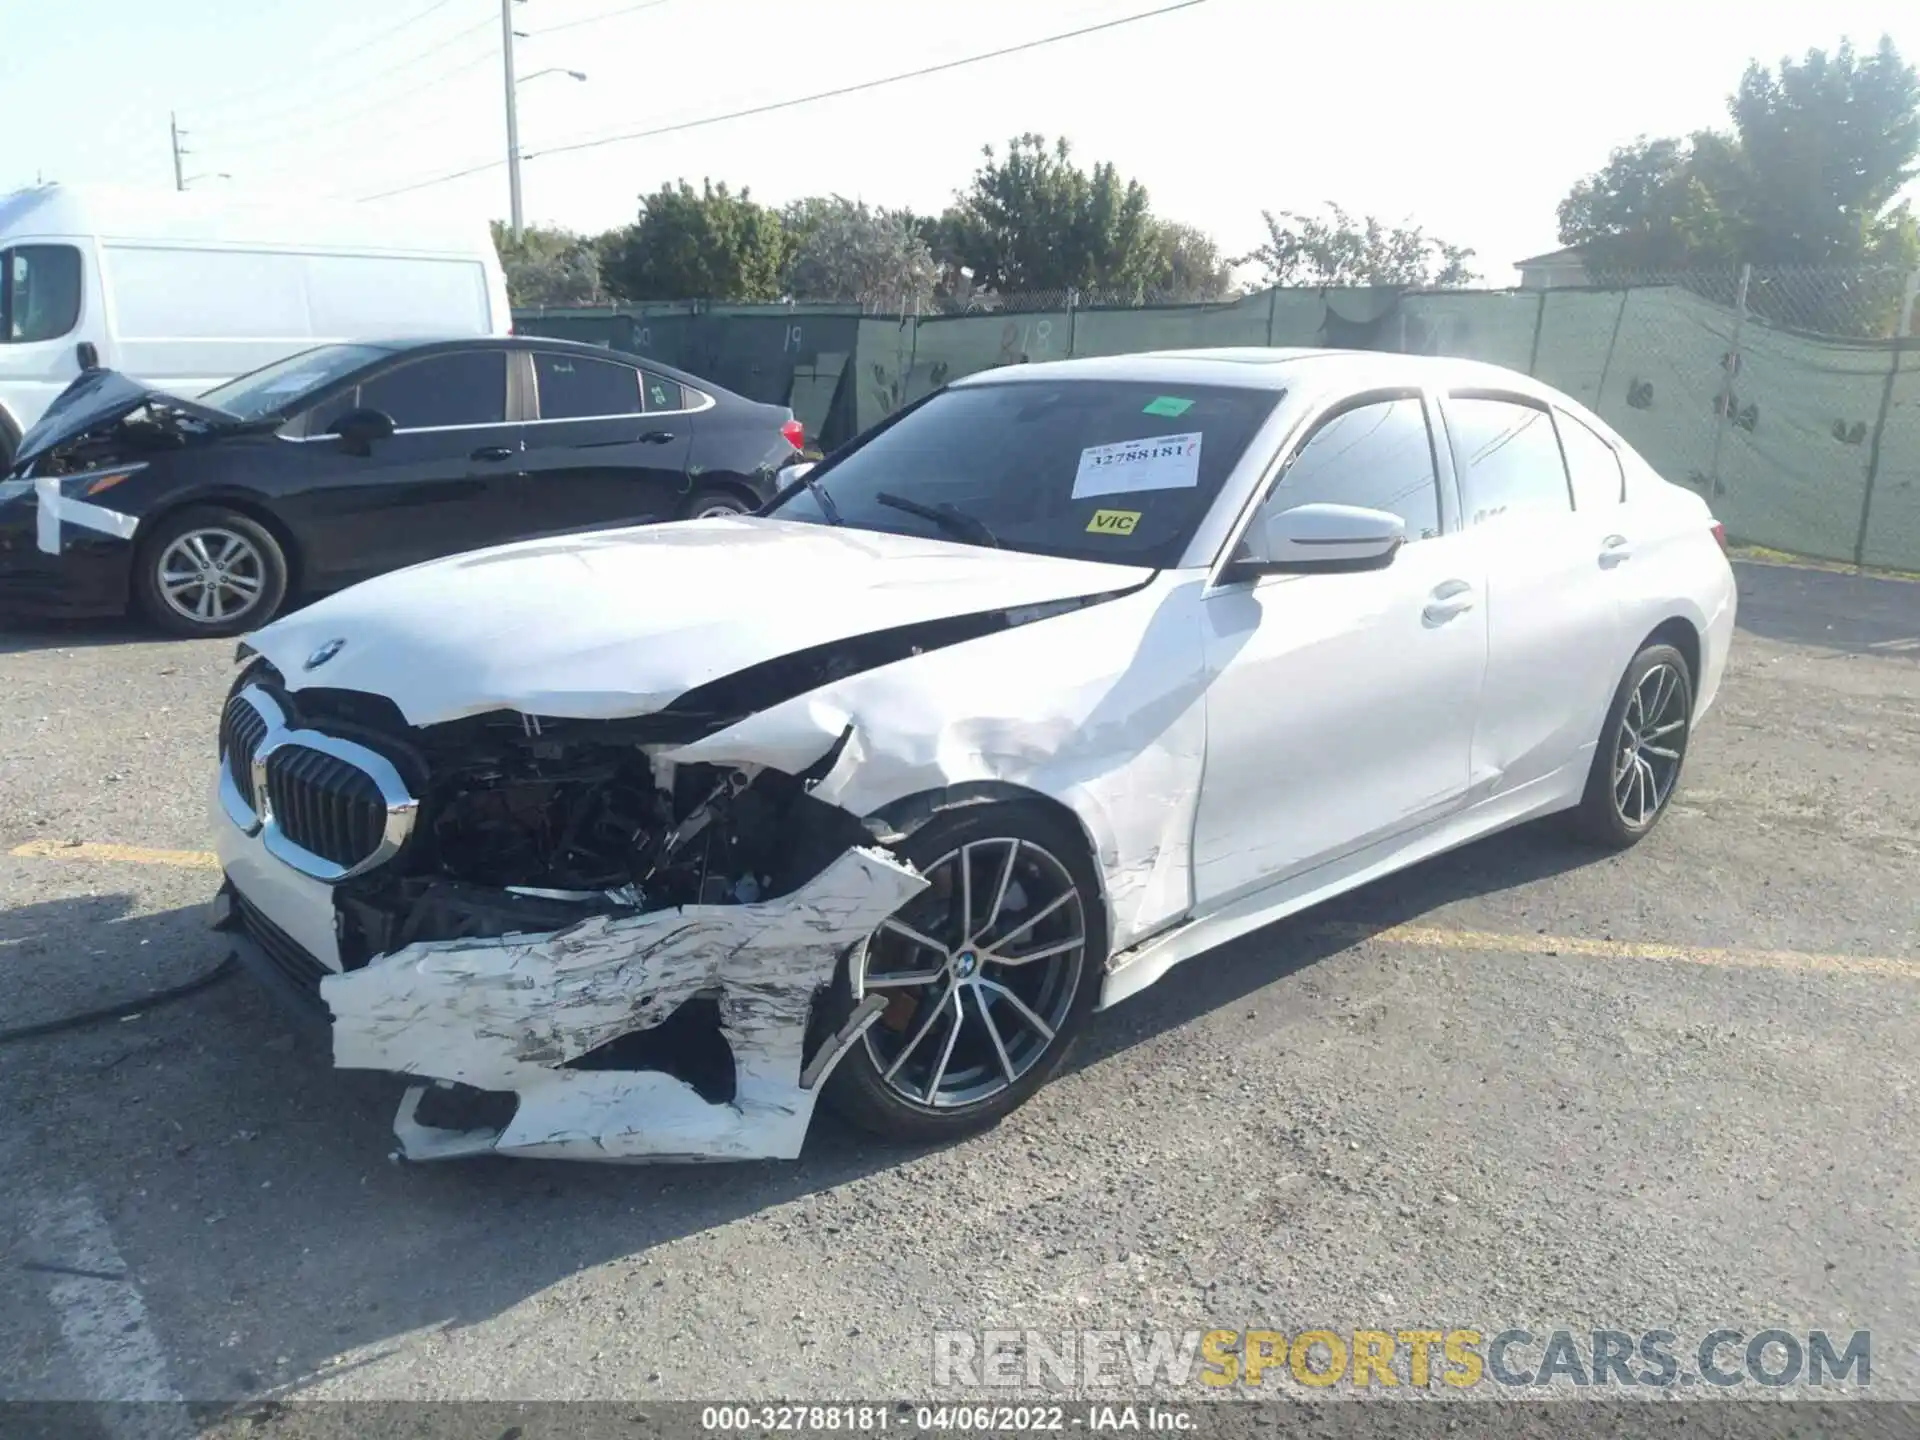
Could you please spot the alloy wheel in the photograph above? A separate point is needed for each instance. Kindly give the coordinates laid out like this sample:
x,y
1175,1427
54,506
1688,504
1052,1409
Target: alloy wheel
x,y
980,971
1649,746
211,575
715,508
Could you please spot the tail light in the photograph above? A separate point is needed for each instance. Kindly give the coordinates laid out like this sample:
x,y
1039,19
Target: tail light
x,y
1720,534
795,434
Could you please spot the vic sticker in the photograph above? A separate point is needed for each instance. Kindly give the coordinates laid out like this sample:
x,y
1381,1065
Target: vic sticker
x,y
1164,462
1113,522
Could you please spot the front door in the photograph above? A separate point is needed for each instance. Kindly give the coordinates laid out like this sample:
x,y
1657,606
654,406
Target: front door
x,y
439,485
1341,706
608,447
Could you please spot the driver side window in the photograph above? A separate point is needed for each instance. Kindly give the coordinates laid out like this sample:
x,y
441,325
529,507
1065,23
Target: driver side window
x,y
1378,455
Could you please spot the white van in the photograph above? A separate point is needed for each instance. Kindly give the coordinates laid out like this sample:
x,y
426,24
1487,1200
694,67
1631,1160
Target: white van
x,y
184,291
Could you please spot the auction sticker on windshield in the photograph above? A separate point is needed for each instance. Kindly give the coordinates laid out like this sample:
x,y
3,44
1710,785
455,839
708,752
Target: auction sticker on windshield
x,y
1113,522
1161,462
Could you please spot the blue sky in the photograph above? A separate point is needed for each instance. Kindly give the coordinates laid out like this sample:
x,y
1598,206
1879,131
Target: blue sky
x,y
1471,119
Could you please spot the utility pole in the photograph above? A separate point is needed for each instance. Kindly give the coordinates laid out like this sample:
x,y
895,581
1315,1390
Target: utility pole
x,y
513,120
173,132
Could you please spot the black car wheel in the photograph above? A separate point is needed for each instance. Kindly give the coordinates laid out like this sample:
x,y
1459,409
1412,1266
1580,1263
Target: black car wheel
x,y
714,500
1636,767
210,572
989,973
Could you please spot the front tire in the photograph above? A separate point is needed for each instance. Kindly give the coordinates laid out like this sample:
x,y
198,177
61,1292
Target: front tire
x,y
712,500
208,571
1643,746
992,972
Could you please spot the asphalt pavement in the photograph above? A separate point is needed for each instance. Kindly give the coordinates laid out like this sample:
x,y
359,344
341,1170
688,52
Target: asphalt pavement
x,y
1519,1086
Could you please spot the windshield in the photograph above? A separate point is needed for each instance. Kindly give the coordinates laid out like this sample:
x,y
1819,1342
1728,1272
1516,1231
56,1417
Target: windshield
x,y
1118,471
281,384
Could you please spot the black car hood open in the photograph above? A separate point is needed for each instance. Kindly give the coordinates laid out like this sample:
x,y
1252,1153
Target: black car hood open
x,y
99,397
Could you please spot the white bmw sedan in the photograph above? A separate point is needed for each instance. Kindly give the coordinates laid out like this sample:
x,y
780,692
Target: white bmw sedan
x,y
631,844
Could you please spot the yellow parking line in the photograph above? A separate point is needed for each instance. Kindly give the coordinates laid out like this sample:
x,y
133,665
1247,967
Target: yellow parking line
x,y
1429,937
1434,938
124,854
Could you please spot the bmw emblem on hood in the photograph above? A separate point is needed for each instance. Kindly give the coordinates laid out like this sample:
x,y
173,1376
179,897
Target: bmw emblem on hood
x,y
325,653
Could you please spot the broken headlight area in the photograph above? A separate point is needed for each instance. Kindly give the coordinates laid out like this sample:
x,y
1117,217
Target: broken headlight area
x,y
637,953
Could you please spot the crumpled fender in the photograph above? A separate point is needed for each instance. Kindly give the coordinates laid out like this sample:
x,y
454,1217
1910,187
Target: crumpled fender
x,y
1101,710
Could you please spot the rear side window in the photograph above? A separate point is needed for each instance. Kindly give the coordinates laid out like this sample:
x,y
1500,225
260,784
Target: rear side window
x,y
1592,463
1378,455
662,394
466,387
578,387
39,293
1508,459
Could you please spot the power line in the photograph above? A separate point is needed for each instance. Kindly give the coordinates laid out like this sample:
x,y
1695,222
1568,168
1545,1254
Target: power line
x,y
797,100
307,107
350,51
333,120
596,19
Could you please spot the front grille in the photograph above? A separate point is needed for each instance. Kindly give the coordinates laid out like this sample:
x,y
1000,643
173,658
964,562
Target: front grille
x,y
327,806
242,728
285,953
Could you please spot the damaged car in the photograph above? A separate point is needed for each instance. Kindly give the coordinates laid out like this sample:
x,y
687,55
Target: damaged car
x,y
347,461
633,845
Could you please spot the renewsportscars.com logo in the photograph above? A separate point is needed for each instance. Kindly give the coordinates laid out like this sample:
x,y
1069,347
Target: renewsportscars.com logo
x,y
1459,1358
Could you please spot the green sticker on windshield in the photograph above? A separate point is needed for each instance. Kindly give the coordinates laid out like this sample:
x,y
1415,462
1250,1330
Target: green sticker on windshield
x,y
1168,405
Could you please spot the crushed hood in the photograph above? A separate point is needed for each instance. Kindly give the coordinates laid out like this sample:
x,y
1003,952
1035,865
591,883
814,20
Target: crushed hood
x,y
100,397
623,622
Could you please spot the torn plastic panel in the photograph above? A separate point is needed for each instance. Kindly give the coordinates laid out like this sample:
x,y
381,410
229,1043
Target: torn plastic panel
x,y
515,1014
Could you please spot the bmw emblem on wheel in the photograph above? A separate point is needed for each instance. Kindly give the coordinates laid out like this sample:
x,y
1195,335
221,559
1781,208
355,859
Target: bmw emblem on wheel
x,y
325,653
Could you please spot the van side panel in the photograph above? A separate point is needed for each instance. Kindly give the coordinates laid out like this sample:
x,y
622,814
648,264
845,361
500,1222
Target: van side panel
x,y
189,318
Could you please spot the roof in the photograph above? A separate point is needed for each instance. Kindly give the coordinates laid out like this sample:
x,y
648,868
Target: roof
x,y
228,216
1567,254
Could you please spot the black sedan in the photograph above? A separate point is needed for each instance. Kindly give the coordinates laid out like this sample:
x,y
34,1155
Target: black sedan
x,y
344,461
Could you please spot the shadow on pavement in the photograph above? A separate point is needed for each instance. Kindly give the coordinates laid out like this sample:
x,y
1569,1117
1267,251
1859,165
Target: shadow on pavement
x,y
249,1181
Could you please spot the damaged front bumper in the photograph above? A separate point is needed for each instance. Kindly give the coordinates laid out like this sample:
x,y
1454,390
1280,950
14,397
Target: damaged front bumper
x,y
544,1035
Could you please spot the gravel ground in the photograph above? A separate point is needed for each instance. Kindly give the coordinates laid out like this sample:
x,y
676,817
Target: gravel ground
x,y
1414,1107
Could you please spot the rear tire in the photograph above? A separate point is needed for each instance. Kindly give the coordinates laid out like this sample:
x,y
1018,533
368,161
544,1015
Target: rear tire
x,y
1642,750
1030,888
208,571
711,500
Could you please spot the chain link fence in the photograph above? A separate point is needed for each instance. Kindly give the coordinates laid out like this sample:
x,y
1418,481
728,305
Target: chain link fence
x,y
1789,397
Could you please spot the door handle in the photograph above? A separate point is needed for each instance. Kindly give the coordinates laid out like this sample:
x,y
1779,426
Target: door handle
x,y
1614,549
1450,598
656,437
492,452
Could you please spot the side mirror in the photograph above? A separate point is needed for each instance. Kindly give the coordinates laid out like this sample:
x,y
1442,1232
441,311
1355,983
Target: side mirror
x,y
360,428
1322,537
87,355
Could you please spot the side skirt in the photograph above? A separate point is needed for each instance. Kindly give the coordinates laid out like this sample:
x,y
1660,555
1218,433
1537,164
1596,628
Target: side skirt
x,y
1133,970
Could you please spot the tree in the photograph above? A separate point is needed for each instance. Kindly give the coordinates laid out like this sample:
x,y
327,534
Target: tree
x,y
1034,220
845,250
548,266
696,245
1809,175
1189,267
1306,250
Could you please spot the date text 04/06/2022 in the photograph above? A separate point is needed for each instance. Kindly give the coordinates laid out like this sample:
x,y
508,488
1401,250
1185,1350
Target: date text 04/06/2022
x,y
868,1419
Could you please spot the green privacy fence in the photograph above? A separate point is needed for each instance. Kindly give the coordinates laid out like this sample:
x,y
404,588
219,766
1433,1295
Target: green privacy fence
x,y
1805,443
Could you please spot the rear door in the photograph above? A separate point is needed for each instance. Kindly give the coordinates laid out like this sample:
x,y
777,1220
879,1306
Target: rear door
x,y
609,445
1555,632
440,484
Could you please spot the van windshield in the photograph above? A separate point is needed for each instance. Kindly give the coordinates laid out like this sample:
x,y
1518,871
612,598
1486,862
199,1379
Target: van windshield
x,y
281,385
